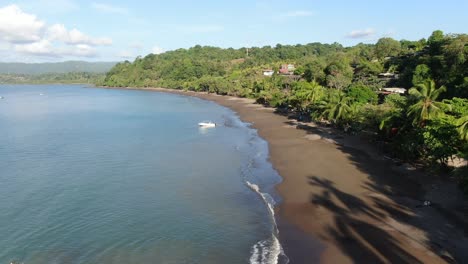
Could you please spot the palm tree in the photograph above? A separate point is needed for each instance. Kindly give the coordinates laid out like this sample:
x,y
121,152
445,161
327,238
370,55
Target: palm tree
x,y
313,92
306,94
462,124
426,106
336,107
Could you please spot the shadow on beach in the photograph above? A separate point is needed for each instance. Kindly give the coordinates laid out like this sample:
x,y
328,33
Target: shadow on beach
x,y
388,221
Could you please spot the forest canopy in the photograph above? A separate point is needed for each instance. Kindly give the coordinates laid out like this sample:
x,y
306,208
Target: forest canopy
x,y
412,95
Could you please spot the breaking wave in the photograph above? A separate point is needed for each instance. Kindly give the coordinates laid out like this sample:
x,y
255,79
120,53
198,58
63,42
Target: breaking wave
x,y
266,251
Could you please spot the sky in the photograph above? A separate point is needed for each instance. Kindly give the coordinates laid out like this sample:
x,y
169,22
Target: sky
x,y
104,30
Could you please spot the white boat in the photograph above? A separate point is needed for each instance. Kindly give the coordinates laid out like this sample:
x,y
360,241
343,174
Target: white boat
x,y
207,124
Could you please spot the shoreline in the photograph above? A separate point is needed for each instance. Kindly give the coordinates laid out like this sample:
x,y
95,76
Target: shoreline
x,y
341,202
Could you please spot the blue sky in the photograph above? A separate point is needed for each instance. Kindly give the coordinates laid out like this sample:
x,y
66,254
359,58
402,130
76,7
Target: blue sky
x,y
57,30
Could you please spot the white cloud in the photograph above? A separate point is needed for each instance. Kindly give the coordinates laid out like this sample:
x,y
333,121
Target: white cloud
x,y
77,37
157,50
107,8
57,32
81,50
17,26
25,34
40,48
298,13
364,33
74,36
4,46
45,48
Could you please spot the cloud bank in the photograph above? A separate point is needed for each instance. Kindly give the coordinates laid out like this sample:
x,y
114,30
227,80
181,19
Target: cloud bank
x,y
26,34
17,26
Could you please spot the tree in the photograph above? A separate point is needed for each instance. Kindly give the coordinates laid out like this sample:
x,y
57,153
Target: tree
x,y
426,105
456,51
459,111
366,68
393,116
421,74
441,140
313,71
435,41
387,47
455,73
336,107
339,73
462,124
305,94
362,95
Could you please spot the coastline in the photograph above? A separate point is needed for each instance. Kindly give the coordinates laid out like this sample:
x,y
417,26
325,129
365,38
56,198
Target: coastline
x,y
341,202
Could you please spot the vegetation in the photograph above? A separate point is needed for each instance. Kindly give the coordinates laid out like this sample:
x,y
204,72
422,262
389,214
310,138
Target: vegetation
x,y
426,106
60,72
337,85
71,77
54,67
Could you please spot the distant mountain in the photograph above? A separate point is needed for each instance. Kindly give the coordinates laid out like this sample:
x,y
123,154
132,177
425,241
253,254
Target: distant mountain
x,y
55,67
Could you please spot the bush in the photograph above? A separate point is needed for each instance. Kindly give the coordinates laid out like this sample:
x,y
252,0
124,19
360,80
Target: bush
x,y
395,100
436,142
372,115
362,95
441,140
407,143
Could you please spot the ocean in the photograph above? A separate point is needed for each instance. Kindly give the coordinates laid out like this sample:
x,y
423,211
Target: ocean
x,y
92,175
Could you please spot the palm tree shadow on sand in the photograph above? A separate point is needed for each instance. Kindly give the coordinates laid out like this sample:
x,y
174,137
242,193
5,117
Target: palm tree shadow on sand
x,y
366,228
361,241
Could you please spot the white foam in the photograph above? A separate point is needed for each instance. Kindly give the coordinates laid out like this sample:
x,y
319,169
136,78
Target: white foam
x,y
266,251
269,250
255,253
269,201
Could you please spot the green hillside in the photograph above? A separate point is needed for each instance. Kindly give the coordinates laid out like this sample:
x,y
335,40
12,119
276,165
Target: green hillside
x,y
337,85
56,67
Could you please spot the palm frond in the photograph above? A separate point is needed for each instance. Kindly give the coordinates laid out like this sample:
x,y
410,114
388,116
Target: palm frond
x,y
415,92
436,92
462,124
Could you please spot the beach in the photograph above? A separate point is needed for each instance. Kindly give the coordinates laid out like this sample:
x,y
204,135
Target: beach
x,y
343,201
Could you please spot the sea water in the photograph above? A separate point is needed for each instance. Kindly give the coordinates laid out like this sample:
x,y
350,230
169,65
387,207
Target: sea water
x,y
92,175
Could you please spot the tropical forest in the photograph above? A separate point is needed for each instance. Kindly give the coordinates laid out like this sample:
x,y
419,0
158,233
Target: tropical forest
x,y
410,97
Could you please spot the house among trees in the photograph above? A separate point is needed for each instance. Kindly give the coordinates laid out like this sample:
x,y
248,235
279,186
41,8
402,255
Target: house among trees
x,y
268,72
388,75
287,69
393,90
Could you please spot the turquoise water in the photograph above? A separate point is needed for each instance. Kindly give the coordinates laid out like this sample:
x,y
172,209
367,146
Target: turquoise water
x,y
93,175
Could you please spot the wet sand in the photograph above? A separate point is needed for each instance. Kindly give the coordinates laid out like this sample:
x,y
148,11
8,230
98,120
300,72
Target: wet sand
x,y
343,202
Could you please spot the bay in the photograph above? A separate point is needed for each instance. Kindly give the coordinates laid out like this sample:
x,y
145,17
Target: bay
x,y
93,175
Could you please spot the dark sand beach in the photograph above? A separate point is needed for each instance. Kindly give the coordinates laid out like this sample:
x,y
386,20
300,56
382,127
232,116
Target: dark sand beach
x,y
344,202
